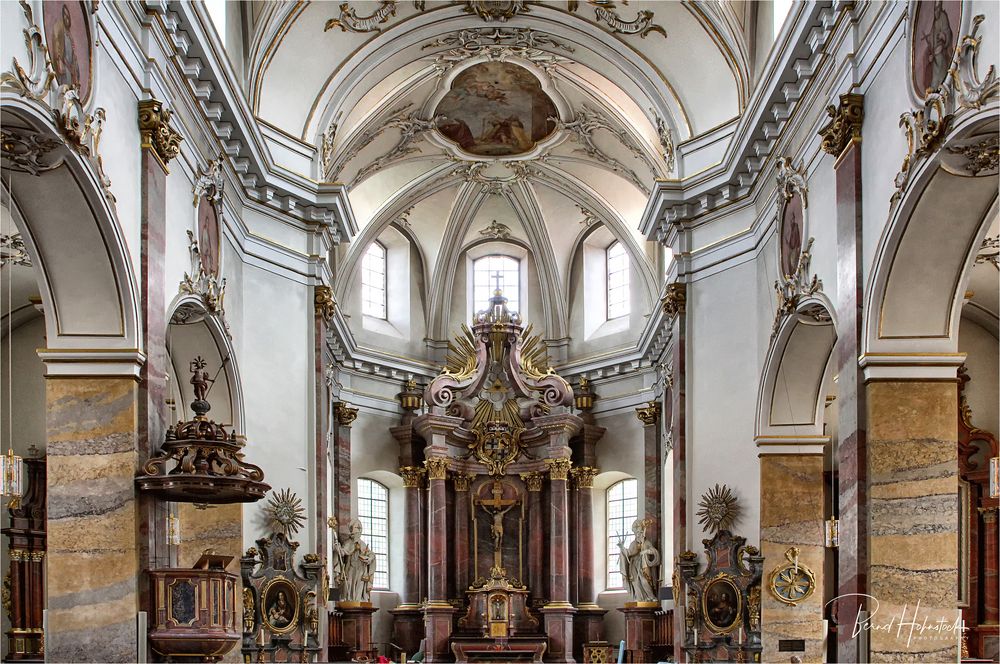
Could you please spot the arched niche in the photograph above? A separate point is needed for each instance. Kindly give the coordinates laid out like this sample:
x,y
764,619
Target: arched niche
x,y
84,270
193,332
928,247
791,398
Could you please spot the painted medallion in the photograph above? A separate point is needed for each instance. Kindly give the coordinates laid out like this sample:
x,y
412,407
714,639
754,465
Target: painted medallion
x,y
496,109
722,605
791,235
936,26
280,606
208,235
67,33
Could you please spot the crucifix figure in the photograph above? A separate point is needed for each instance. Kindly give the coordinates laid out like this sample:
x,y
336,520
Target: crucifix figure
x,y
498,277
497,507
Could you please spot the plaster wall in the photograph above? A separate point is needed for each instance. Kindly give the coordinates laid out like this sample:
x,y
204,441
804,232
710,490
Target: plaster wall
x,y
982,362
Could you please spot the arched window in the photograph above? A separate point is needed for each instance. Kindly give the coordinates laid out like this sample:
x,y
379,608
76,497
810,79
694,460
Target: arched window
x,y
623,509
618,295
373,512
484,282
373,281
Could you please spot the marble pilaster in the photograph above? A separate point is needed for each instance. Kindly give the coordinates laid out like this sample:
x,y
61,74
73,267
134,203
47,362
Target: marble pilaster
x,y
652,468
533,481
791,514
93,567
343,417
913,538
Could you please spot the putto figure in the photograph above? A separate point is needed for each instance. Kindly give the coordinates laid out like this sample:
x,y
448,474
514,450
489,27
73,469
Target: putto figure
x,y
638,562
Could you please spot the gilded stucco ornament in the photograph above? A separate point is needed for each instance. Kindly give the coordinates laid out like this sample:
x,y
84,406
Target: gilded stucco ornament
x,y
496,10
28,151
792,582
718,509
413,476
12,251
201,283
790,291
437,468
349,21
675,301
155,132
285,513
605,12
650,414
558,469
845,124
324,303
345,414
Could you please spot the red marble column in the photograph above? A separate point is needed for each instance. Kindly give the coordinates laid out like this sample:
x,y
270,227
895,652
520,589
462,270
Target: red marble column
x,y
408,620
675,305
558,611
462,520
438,613
852,450
573,495
536,534
343,418
652,469
991,563
588,623
324,309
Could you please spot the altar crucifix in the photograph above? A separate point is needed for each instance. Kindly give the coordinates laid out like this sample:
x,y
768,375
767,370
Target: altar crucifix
x,y
496,507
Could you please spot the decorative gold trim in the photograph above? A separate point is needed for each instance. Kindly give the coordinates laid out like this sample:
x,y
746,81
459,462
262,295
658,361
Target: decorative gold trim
x,y
532,480
675,301
155,132
845,124
293,598
413,476
650,414
724,578
583,476
463,481
437,468
324,303
786,581
558,468
345,415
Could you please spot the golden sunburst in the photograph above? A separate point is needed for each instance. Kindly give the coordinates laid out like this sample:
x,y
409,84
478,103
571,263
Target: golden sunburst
x,y
719,509
285,513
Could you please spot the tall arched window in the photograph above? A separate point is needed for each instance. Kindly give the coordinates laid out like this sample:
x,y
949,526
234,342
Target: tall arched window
x,y
373,512
373,281
618,292
484,282
623,509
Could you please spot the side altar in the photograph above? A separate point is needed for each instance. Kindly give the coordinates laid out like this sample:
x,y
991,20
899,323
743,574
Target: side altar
x,y
498,476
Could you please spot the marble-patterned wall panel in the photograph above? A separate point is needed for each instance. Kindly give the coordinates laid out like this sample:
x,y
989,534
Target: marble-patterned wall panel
x,y
913,489
92,568
218,527
791,514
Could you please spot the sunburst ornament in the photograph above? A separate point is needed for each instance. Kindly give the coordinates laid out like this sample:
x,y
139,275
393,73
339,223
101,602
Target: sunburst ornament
x,y
719,509
285,513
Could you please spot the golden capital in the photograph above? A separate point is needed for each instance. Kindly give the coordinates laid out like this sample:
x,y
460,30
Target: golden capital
x,y
323,301
413,476
989,514
584,476
437,468
650,414
675,301
155,132
345,414
845,124
558,468
463,481
532,480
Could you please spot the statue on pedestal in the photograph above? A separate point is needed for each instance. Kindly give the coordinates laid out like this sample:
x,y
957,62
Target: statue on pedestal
x,y
358,563
639,562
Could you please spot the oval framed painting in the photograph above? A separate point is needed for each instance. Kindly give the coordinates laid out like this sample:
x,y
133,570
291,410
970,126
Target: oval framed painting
x,y
279,606
208,234
792,232
722,605
70,43
936,27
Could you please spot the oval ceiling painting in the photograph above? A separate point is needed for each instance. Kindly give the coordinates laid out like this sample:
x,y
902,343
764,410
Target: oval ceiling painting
x,y
496,109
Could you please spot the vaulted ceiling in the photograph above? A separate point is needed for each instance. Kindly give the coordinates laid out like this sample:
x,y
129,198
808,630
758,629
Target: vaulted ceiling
x,y
409,104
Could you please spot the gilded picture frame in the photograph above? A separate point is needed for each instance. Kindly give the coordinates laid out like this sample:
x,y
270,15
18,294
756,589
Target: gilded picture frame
x,y
280,617
722,604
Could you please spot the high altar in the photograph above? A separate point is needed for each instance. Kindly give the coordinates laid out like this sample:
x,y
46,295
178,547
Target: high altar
x,y
498,479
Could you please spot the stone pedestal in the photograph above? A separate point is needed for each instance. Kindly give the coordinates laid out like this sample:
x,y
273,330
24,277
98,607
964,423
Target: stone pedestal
x,y
438,618
407,627
640,630
559,628
357,629
588,627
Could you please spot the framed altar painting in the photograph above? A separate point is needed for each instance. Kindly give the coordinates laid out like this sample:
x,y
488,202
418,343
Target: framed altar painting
x,y
280,606
935,30
722,604
70,43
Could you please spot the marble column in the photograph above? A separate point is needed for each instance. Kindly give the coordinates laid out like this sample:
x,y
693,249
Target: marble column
x,y
652,469
462,521
344,417
913,518
408,620
558,611
536,537
324,309
438,612
588,623
93,571
842,140
675,307
791,515
991,563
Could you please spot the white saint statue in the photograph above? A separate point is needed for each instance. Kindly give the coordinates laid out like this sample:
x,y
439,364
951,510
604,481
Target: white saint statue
x,y
358,567
638,562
